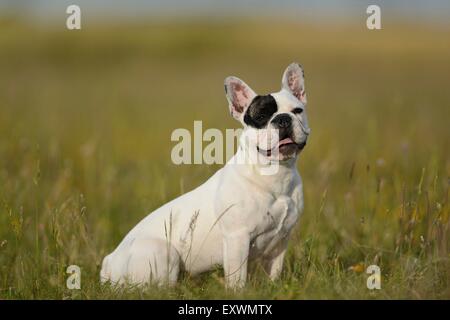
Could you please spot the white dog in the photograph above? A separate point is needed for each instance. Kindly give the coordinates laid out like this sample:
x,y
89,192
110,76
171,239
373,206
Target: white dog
x,y
239,214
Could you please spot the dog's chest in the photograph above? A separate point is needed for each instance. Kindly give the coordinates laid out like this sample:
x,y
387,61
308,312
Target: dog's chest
x,y
273,226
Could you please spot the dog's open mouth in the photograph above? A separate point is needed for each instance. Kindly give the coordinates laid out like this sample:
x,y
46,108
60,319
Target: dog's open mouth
x,y
284,146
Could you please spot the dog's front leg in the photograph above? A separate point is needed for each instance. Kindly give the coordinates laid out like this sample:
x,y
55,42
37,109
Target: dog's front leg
x,y
274,264
236,249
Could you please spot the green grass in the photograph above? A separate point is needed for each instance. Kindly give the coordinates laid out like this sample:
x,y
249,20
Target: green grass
x,y
85,124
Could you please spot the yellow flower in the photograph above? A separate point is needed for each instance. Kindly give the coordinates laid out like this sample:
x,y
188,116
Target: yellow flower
x,y
359,267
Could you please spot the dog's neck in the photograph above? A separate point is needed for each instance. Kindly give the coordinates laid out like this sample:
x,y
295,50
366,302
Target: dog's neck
x,y
264,177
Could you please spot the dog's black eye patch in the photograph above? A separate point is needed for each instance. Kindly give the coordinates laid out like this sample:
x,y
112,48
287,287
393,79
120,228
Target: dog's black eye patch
x,y
260,111
297,110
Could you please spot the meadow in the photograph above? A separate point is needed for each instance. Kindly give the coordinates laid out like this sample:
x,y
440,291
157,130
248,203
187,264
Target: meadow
x,y
85,124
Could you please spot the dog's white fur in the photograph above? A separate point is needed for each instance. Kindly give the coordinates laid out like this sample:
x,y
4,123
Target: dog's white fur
x,y
235,216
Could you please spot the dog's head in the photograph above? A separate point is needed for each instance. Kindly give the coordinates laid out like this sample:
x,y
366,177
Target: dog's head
x,y
276,122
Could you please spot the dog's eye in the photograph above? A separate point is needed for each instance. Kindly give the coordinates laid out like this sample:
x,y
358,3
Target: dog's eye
x,y
297,110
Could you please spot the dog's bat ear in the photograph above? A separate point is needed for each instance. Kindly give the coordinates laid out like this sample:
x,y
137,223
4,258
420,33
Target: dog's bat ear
x,y
239,96
294,81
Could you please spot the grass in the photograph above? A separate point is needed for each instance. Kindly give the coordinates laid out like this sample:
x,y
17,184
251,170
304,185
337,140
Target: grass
x,y
85,124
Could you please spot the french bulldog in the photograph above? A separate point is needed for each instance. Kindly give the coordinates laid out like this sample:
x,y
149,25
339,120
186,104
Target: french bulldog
x,y
238,215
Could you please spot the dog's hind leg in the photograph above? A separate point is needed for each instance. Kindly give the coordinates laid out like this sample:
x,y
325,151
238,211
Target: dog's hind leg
x,y
152,260
105,273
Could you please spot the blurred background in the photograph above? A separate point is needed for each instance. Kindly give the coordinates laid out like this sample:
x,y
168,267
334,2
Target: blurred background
x,y
313,10
86,117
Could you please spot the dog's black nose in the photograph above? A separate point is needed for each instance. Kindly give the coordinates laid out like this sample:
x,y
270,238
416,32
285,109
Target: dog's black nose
x,y
282,121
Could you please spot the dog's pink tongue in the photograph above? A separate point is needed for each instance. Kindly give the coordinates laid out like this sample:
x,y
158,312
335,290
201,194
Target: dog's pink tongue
x,y
285,141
